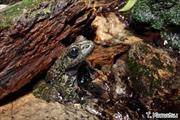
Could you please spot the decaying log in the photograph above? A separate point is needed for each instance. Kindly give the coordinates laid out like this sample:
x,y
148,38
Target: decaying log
x,y
8,1
31,45
105,56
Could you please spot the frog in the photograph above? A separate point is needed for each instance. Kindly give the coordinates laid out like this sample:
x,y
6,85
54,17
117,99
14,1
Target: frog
x,y
60,83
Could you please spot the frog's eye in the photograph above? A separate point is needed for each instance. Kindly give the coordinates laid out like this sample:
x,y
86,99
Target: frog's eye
x,y
74,52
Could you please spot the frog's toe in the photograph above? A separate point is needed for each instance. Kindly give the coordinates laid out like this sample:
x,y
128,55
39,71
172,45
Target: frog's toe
x,y
39,88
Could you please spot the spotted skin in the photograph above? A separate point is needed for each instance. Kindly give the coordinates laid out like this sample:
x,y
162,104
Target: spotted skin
x,y
60,83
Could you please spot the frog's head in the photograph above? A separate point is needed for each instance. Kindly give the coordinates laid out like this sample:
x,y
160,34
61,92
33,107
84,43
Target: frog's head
x,y
77,52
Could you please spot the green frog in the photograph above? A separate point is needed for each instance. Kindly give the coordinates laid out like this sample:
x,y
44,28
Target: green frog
x,y
60,83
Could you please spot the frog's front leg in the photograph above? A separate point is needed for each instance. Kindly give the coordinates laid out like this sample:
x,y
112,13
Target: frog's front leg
x,y
63,93
68,89
47,92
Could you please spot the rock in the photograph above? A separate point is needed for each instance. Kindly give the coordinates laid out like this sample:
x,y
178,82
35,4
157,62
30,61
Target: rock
x,y
153,76
30,108
119,70
111,31
2,6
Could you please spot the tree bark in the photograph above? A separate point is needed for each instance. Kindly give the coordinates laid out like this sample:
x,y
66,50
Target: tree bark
x,y
31,45
8,1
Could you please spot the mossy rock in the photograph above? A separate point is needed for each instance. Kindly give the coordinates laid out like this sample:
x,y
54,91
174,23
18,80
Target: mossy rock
x,y
171,40
158,13
152,71
14,11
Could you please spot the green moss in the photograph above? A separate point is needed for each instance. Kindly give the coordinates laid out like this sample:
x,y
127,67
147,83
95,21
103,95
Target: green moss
x,y
143,77
144,63
158,13
142,11
172,39
143,48
170,68
157,63
174,14
15,11
155,84
139,72
47,11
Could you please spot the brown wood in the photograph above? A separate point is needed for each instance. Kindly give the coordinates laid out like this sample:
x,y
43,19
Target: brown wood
x,y
8,1
105,55
31,45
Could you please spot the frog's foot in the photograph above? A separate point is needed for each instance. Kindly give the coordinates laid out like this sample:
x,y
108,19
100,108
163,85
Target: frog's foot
x,y
46,92
92,106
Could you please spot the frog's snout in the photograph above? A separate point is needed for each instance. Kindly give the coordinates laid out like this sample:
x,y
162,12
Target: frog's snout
x,y
87,47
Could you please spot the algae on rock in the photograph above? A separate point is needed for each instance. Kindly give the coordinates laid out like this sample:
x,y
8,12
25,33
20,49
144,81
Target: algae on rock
x,y
159,15
14,11
171,39
153,76
152,70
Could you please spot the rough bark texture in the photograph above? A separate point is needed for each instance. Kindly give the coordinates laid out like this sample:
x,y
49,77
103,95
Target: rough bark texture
x,y
8,1
31,45
105,56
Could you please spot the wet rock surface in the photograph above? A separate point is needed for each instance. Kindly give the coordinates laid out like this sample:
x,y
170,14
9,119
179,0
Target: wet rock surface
x,y
153,76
